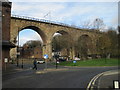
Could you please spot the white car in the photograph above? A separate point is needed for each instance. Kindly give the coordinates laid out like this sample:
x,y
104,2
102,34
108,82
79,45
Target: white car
x,y
40,61
76,58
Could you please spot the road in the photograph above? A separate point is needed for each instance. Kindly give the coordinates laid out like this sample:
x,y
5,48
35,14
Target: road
x,y
63,77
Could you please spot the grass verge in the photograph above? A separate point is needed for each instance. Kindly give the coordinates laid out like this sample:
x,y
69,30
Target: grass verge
x,y
93,62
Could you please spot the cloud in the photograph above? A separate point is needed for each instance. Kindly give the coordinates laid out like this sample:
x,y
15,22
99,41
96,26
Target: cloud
x,y
114,21
38,10
24,39
67,12
64,0
47,10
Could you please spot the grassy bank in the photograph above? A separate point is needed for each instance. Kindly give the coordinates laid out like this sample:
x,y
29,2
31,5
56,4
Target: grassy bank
x,y
93,62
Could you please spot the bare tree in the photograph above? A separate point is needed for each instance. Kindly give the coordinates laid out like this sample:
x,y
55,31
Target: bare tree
x,y
95,24
98,23
86,25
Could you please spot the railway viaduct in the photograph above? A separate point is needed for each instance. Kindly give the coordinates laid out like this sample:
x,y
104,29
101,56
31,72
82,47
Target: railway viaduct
x,y
46,29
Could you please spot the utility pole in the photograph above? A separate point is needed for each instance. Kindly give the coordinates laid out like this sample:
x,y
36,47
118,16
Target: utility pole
x,y
22,56
18,50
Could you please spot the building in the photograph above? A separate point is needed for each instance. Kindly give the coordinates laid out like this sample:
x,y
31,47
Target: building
x,y
27,52
5,21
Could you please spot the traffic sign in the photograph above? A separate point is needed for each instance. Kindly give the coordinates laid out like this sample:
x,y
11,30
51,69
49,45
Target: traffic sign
x,y
74,61
46,56
6,60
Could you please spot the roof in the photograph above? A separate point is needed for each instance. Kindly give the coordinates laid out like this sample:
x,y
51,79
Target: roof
x,y
4,0
6,3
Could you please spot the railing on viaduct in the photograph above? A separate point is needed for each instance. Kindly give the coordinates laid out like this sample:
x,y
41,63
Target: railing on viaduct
x,y
43,20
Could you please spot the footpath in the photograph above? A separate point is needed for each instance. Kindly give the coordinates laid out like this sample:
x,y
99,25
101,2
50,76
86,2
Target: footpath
x,y
12,68
106,80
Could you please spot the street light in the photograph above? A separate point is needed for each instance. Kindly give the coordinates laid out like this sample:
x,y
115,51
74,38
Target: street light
x,y
22,56
57,58
18,53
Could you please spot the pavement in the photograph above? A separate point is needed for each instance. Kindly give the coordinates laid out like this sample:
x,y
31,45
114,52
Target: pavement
x,y
12,68
105,80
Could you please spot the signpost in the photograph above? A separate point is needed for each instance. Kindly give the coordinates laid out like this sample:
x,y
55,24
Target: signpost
x,y
46,57
18,54
5,60
74,62
57,58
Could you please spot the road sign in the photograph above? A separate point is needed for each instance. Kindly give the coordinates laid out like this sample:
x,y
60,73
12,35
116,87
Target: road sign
x,y
74,61
18,53
6,60
46,56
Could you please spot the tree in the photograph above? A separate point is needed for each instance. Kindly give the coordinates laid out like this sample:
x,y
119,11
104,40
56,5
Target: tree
x,y
98,23
33,43
86,25
113,36
119,41
103,45
61,42
84,46
56,44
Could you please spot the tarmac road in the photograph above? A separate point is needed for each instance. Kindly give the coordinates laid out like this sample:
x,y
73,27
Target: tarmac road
x,y
63,77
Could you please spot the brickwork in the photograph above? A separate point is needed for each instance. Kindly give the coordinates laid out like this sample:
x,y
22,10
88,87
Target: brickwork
x,y
6,14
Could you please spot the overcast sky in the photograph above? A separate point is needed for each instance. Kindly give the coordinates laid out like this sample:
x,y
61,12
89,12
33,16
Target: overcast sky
x,y
72,12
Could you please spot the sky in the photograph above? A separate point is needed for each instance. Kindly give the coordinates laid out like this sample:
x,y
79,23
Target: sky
x,y
71,12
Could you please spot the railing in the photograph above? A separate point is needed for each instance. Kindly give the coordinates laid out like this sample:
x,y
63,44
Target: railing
x,y
44,20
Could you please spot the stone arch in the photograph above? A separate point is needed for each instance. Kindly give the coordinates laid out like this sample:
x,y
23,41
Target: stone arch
x,y
38,30
34,28
62,32
67,51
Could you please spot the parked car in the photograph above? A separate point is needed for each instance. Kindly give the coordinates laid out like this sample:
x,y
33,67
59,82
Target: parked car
x,y
40,61
76,58
62,58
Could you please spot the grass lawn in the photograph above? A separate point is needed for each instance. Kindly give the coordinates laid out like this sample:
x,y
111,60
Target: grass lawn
x,y
93,62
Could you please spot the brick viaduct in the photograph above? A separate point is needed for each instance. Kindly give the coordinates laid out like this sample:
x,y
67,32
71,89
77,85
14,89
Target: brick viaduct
x,y
47,29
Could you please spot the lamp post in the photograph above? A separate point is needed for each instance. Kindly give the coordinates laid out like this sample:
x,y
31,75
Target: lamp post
x,y
18,53
18,56
22,58
56,57
22,64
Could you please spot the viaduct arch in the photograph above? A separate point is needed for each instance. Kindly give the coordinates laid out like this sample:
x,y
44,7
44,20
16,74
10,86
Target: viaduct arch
x,y
47,29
